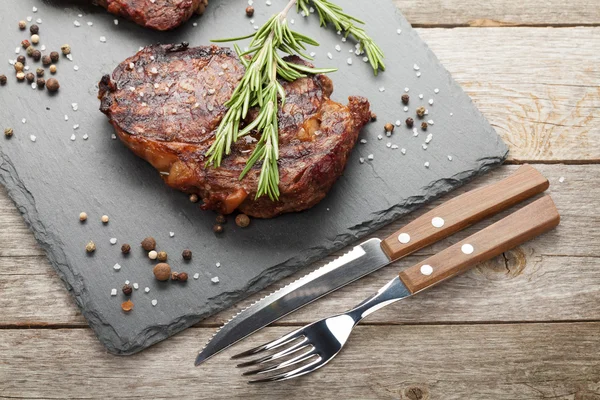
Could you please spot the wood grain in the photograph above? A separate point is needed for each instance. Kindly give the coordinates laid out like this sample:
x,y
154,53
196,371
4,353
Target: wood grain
x,y
448,13
514,361
515,285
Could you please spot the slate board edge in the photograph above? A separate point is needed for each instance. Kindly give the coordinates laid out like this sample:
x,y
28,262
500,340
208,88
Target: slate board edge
x,y
153,334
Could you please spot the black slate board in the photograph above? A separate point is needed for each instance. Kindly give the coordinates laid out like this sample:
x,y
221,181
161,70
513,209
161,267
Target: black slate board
x,y
53,179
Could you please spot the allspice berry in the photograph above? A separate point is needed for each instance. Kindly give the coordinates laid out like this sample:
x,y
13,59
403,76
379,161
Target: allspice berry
x,y
40,82
187,255
30,77
389,127
46,60
162,271
410,122
218,228
52,85
242,220
221,219
405,98
148,244
421,112
249,11
90,247
66,49
125,249
127,289
54,56
162,256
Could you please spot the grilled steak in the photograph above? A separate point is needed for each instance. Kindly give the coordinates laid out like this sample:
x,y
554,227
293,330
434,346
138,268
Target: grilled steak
x,y
161,15
166,102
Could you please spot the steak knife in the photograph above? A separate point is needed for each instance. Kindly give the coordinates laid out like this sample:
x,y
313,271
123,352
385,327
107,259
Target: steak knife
x,y
373,254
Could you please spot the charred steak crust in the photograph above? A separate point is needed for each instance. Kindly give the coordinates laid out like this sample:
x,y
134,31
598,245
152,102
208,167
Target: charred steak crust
x,y
166,101
161,15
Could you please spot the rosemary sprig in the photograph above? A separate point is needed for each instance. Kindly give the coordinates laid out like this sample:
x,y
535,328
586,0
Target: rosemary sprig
x,y
334,14
259,86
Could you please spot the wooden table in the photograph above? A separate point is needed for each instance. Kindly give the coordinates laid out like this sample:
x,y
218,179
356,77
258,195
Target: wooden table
x,y
523,326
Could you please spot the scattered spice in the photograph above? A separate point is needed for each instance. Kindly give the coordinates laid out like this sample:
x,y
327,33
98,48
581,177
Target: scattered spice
x,y
162,271
405,98
242,220
19,66
424,125
194,198
152,254
22,25
54,56
373,116
34,29
127,289
249,11
221,219
218,228
421,112
39,72
66,49
52,85
25,43
389,127
187,255
179,276
410,122
90,247
40,82
104,219
127,305
149,244
36,54
3,80
20,76
35,39
53,69
162,256
46,60
8,132
30,77
22,59
125,249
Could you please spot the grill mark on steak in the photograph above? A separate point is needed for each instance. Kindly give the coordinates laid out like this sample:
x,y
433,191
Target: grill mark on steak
x,y
167,107
161,15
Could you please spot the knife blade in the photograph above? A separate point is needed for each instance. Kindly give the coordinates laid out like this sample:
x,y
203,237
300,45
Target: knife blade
x,y
371,255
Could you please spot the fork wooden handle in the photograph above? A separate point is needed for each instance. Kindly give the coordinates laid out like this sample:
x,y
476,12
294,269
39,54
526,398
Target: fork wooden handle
x,y
519,227
464,210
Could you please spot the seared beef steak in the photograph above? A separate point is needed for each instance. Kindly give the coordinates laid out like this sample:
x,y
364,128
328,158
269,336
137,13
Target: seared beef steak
x,y
161,15
167,101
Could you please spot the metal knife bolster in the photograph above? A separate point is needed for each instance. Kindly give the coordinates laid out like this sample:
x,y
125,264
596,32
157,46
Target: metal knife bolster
x,y
444,220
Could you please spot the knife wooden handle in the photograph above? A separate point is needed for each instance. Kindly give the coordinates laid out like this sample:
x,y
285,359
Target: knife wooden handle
x,y
464,210
519,227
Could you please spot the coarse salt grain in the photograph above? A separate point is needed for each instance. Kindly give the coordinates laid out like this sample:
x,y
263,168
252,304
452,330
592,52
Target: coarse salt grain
x,y
171,234
430,102
127,282
428,138
312,54
70,57
349,61
154,302
338,47
394,146
421,96
136,286
113,136
363,141
113,292
382,89
24,120
436,90
34,85
77,23
418,74
196,275
388,144
146,289
113,240
116,21
154,71
17,50
218,265
405,108
449,158
365,59
426,165
90,23
403,150
215,279
85,136
398,122
34,9
76,68
73,137
117,267
430,122
416,67
103,39
406,89
398,31
29,19
39,20
379,137
361,160
424,146
370,156
66,117
76,126
329,55
561,179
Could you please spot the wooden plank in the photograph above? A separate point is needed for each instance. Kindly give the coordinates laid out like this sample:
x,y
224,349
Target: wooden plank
x,y
517,288
499,13
521,361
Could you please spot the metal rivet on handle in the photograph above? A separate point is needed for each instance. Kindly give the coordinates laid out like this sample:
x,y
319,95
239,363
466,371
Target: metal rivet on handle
x,y
404,238
467,248
426,269
437,222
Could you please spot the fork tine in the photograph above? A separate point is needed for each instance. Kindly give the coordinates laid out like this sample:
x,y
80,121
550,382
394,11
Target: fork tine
x,y
292,361
269,346
292,349
294,373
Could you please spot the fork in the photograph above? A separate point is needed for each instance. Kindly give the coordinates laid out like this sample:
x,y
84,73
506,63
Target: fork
x,y
312,346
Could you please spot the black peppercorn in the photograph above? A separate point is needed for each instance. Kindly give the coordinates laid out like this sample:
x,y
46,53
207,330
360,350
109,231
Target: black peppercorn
x,y
410,122
34,29
54,56
3,80
30,77
127,289
186,254
52,85
41,82
21,59
36,54
39,72
421,112
424,126
125,249
405,98
221,219
218,228
249,11
46,60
